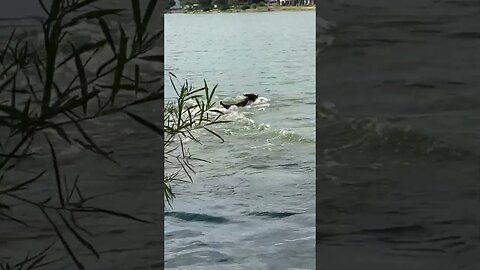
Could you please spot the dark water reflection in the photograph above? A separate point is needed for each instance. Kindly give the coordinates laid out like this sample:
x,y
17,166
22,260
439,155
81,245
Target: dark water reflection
x,y
398,174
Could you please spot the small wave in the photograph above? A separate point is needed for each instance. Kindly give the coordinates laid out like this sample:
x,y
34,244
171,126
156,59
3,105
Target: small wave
x,y
376,134
275,136
240,124
239,115
289,136
325,34
197,217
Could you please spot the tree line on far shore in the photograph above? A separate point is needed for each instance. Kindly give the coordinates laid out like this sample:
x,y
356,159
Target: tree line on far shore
x,y
226,4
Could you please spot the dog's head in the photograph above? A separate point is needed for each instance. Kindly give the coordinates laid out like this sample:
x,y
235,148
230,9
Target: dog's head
x,y
251,97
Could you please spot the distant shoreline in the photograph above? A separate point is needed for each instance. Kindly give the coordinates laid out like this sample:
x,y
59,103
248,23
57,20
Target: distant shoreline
x,y
237,10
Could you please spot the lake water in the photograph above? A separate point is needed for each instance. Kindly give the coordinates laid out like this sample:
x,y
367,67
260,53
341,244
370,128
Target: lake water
x,y
253,206
398,183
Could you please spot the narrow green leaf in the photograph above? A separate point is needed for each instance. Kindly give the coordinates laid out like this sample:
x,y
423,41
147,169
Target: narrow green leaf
x,y
87,47
90,141
121,61
55,9
42,5
146,123
7,45
57,172
150,40
64,242
153,58
137,78
108,36
105,65
13,219
82,76
61,132
11,111
111,212
214,133
23,184
148,13
82,240
136,16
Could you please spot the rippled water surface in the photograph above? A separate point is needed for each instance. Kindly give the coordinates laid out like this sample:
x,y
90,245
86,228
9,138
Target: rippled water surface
x,y
253,206
398,184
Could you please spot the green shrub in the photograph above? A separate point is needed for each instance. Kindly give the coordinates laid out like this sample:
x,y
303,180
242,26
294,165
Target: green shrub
x,y
192,110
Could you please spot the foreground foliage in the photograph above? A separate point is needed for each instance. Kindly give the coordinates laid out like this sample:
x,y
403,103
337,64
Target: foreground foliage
x,y
37,96
193,109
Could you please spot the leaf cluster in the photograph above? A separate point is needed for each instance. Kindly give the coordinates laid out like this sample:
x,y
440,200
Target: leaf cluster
x,y
193,110
37,96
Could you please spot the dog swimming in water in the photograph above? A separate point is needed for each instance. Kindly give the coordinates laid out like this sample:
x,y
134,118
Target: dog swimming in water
x,y
243,103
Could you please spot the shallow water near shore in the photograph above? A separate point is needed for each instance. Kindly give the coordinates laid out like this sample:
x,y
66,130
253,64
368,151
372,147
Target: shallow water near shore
x,y
253,206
